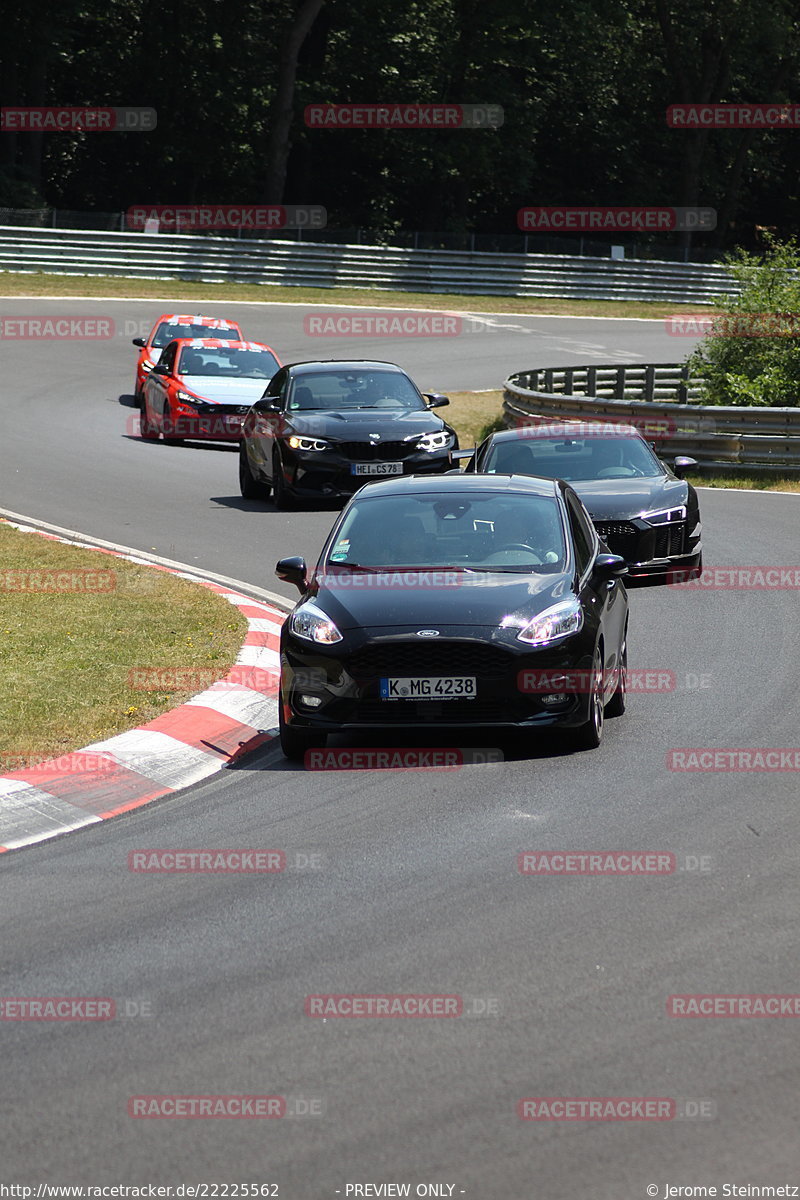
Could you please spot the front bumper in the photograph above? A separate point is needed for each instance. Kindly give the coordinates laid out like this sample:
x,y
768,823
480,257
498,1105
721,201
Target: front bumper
x,y
653,549
348,683
222,426
328,473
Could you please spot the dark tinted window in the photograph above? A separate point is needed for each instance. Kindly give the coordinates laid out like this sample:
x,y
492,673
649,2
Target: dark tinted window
x,y
476,530
582,535
612,457
227,364
340,390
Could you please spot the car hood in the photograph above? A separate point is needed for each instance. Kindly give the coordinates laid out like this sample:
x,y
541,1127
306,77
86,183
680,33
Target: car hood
x,y
224,391
607,499
356,425
408,601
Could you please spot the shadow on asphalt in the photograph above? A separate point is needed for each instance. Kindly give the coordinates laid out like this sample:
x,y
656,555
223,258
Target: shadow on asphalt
x,y
514,747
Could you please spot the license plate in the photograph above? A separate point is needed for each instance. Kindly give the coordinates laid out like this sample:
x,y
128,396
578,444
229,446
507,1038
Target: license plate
x,y
376,468
448,687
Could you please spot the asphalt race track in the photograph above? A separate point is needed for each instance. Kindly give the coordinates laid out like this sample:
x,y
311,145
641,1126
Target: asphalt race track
x,y
416,888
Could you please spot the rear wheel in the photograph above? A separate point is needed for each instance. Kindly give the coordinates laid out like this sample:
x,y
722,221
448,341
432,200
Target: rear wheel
x,y
295,742
250,487
616,705
589,736
281,493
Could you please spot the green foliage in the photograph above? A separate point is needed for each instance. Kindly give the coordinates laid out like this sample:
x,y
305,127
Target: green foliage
x,y
753,369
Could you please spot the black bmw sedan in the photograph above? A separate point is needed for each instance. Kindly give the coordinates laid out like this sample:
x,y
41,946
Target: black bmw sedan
x,y
325,428
455,601
642,510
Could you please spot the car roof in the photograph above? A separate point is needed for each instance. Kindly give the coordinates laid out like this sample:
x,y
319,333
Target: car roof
x,y
217,344
344,364
526,485
567,429
183,319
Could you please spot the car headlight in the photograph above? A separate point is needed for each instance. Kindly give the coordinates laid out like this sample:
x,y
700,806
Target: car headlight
x,y
557,622
435,441
663,516
313,625
306,443
187,398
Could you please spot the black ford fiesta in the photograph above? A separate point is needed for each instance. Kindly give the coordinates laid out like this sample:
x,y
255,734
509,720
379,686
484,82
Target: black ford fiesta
x,y
641,508
455,601
325,428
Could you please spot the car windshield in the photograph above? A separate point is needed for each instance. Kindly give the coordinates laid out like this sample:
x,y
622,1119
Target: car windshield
x,y
227,364
612,457
167,333
338,390
476,531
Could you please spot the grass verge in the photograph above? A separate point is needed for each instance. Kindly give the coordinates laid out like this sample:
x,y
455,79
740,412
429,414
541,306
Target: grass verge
x,y
66,656
15,283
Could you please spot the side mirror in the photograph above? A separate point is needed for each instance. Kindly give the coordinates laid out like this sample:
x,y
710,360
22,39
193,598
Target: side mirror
x,y
293,570
610,566
436,399
683,463
268,404
160,369
139,342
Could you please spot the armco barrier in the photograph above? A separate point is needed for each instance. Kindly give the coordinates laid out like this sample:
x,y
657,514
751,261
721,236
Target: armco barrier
x,y
718,437
306,264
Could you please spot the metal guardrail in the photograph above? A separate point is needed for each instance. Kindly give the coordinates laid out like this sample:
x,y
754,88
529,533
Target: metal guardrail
x,y
718,437
306,264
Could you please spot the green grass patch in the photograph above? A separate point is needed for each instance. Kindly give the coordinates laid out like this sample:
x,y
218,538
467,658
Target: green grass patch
x,y
66,656
13,283
754,481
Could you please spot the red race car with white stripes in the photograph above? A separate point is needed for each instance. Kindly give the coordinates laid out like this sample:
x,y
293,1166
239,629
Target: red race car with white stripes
x,y
203,388
175,325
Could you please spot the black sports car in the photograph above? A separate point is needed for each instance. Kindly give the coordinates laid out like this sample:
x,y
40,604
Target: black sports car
x,y
325,428
455,601
642,510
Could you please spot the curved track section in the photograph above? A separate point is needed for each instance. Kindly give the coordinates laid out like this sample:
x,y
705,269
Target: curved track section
x,y
415,889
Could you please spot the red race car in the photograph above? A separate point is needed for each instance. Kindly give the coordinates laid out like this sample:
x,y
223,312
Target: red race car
x,y
202,388
171,326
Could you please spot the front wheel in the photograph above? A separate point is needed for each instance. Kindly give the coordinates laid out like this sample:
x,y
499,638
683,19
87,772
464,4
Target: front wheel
x,y
295,742
589,736
250,487
147,431
281,493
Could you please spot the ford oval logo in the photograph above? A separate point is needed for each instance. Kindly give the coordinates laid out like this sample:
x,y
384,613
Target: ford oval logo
x,y
427,633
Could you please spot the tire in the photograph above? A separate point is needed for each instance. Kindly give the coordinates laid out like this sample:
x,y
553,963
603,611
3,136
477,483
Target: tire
x,y
295,742
250,487
138,397
147,431
616,705
589,736
281,494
